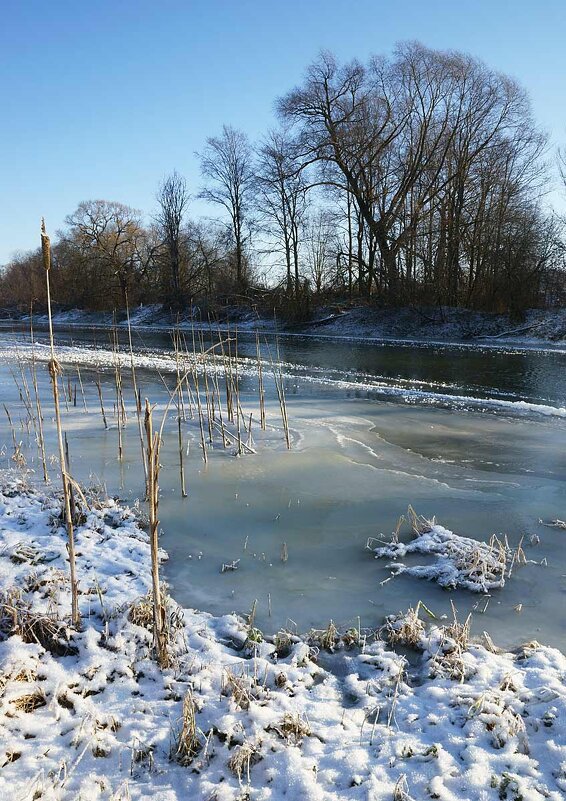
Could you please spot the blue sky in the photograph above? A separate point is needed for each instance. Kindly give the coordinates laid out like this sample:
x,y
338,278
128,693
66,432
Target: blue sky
x,y
101,100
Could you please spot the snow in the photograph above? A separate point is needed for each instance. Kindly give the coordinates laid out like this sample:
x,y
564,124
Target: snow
x,y
460,561
434,326
102,720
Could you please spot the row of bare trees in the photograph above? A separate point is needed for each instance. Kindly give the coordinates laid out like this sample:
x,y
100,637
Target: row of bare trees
x,y
416,179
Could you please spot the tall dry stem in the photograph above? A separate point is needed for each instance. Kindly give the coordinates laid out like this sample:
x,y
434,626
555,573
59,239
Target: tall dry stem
x,y
153,442
54,372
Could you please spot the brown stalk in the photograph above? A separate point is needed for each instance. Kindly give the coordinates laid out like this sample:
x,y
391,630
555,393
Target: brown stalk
x,y
54,371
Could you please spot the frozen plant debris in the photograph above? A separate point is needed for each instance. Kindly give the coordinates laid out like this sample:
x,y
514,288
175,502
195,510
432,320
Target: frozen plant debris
x,y
460,561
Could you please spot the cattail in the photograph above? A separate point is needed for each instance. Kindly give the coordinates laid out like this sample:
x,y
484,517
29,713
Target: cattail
x,y
54,372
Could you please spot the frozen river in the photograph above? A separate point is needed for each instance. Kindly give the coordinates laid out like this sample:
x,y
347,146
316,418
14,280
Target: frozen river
x,y
475,436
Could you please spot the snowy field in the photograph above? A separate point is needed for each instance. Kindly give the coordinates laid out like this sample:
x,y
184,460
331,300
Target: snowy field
x,y
89,715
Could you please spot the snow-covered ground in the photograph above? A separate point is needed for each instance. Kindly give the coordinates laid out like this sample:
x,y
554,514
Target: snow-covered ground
x,y
90,715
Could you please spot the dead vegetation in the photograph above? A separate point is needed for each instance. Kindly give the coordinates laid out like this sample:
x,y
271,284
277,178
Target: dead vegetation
x,y
405,629
186,743
243,758
293,728
460,561
244,688
29,701
46,583
17,617
142,613
25,552
448,656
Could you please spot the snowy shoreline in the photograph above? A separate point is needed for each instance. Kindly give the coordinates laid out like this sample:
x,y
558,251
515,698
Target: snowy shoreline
x,y
434,327
96,718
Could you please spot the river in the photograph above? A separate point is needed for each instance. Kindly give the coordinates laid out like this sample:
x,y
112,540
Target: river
x,y
472,435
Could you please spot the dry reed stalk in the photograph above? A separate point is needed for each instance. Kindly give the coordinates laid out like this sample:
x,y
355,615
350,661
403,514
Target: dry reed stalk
x,y
229,380
82,389
137,396
68,471
199,404
185,382
180,443
282,398
219,399
261,389
177,344
187,744
40,433
120,408
209,404
153,443
54,371
12,429
280,389
237,393
99,388
27,396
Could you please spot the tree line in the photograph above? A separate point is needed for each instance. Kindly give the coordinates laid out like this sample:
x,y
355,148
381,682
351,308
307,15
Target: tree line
x,y
417,179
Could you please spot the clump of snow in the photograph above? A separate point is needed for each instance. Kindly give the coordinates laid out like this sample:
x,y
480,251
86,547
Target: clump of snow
x,y
228,721
459,561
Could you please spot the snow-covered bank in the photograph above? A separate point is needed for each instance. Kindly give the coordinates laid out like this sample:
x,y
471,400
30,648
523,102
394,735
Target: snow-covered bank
x,y
432,325
94,717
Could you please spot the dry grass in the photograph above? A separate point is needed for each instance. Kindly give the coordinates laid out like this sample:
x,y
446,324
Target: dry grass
x,y
243,758
240,688
448,660
17,617
327,638
419,524
405,629
29,702
24,673
283,643
141,613
401,789
47,582
292,728
461,561
187,743
24,552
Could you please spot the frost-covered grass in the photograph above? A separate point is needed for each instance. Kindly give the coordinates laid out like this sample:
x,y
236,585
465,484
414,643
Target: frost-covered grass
x,y
459,561
238,716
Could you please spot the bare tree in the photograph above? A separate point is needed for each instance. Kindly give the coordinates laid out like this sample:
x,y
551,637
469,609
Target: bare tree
x,y
320,236
399,134
227,162
282,199
106,236
173,199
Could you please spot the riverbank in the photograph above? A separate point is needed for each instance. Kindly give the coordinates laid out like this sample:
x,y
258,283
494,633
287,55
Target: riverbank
x,y
358,322
90,715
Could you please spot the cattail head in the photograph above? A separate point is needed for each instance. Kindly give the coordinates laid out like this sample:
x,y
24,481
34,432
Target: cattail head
x,y
45,246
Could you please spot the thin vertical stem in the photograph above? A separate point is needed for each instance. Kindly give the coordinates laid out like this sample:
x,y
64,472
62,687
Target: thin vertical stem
x,y
54,371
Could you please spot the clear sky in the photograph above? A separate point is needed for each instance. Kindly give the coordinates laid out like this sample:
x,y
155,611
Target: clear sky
x,y
102,99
